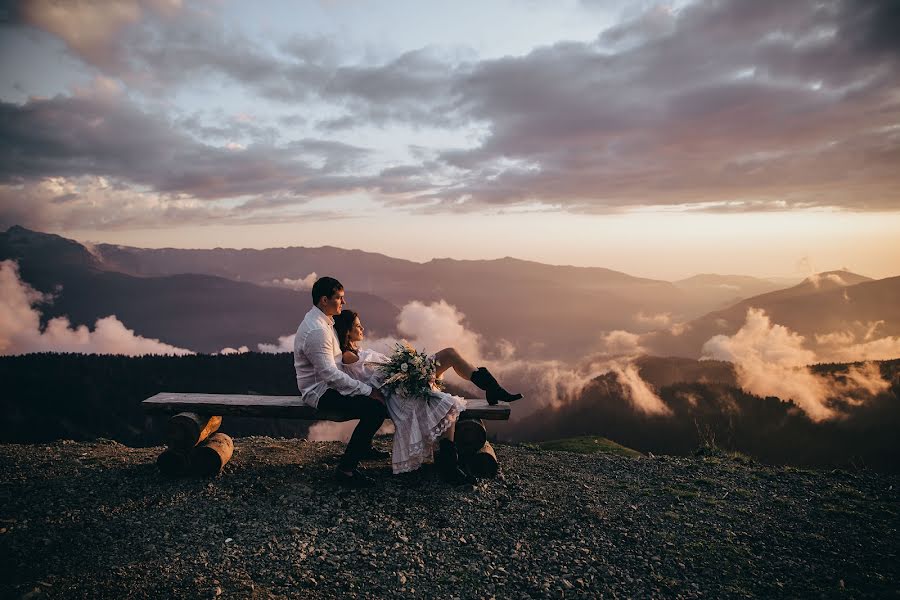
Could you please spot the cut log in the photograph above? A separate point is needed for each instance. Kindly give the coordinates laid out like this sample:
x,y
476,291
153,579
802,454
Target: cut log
x,y
186,430
483,463
470,435
211,455
172,463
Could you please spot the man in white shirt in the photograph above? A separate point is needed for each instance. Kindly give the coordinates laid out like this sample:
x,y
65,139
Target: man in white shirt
x,y
323,385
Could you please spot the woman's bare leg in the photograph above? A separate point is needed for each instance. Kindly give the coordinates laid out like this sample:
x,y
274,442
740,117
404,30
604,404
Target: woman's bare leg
x,y
449,358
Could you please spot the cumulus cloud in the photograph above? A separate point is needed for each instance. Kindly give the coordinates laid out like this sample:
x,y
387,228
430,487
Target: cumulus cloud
x,y
772,360
621,342
285,344
21,333
436,326
229,350
301,284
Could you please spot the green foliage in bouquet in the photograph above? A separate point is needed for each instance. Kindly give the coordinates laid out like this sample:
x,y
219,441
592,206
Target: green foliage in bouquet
x,y
410,372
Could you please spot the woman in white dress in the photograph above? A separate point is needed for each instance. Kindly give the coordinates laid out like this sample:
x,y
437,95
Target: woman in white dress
x,y
418,423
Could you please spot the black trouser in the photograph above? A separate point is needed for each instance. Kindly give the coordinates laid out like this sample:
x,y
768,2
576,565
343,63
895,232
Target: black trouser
x,y
371,414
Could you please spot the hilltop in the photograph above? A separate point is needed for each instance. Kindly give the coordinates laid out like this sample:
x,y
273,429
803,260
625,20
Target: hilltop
x,y
96,520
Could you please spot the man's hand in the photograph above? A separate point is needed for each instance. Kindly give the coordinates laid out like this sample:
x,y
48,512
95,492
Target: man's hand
x,y
377,395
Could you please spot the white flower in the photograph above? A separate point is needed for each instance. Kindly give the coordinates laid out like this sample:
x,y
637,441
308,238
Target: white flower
x,y
404,367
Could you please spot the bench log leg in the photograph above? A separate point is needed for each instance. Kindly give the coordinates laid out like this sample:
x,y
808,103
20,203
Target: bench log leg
x,y
483,464
172,463
470,436
210,457
186,430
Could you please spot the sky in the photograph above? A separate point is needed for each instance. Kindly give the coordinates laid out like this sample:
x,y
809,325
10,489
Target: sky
x,y
659,139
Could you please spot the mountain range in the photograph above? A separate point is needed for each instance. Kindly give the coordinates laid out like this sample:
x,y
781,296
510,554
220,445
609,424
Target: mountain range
x,y
836,308
205,300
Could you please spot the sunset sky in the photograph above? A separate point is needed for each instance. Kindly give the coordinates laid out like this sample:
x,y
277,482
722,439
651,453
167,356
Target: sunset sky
x,y
659,139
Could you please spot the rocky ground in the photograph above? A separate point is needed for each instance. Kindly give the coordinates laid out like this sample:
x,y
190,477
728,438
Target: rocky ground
x,y
96,520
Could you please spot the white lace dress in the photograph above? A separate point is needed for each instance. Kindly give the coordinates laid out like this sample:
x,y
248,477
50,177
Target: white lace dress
x,y
418,423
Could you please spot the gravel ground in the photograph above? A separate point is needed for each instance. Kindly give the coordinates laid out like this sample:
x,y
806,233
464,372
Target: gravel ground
x,y
96,520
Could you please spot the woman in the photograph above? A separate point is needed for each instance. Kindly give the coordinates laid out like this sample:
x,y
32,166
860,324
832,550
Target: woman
x,y
418,423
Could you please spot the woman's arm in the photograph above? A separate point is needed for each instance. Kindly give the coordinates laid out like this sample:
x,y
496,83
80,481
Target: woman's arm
x,y
349,358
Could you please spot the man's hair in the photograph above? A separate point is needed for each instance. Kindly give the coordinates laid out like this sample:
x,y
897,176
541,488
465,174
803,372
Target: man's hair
x,y
325,286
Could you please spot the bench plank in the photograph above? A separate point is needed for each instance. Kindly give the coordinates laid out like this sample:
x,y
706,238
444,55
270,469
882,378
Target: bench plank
x,y
290,407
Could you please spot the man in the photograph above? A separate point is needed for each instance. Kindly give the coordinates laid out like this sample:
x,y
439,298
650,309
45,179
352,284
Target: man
x,y
324,386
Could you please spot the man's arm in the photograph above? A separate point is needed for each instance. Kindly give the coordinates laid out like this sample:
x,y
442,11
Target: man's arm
x,y
318,348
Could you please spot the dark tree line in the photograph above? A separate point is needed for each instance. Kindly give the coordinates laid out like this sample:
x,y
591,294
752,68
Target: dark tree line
x,y
82,397
52,396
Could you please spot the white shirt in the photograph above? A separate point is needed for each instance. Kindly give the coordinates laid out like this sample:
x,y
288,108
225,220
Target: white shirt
x,y
316,357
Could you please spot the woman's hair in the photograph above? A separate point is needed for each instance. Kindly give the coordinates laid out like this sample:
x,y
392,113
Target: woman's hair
x,y
343,323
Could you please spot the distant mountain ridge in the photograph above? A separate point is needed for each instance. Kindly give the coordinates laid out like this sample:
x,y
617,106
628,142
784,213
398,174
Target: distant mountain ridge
x,y
199,312
543,310
201,298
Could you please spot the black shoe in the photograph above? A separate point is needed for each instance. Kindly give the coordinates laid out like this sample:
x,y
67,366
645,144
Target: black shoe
x,y
447,463
375,454
494,392
355,480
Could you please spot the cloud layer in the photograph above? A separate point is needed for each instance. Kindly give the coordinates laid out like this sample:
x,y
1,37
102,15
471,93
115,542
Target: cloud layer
x,y
21,333
772,360
718,106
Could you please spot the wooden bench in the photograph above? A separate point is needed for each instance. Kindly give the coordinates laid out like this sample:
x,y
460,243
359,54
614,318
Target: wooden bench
x,y
192,441
283,407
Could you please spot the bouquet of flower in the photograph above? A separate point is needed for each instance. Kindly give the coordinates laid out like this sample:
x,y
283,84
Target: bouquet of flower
x,y
410,372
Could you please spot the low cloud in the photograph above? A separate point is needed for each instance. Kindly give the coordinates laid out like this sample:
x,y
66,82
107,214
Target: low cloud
x,y
544,383
820,279
301,284
285,344
21,333
436,326
657,320
772,360
241,350
621,342
858,342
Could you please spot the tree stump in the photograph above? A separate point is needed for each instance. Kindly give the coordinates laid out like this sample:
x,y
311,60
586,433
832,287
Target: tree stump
x,y
470,436
483,463
186,430
172,463
210,457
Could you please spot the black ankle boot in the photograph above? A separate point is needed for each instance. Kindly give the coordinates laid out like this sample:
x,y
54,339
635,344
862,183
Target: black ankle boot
x,y
493,391
447,462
